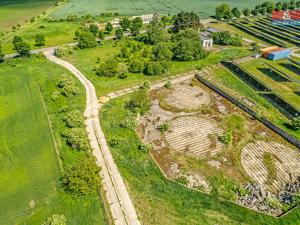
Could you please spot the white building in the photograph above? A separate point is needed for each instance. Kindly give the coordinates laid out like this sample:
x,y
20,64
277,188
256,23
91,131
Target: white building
x,y
145,18
206,39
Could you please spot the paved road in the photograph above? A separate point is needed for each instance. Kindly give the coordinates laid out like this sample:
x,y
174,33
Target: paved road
x,y
117,196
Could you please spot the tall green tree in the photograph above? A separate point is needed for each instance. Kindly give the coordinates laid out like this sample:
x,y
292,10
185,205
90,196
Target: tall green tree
x,y
156,32
246,12
185,20
236,12
119,33
188,46
39,40
86,39
125,23
223,12
136,25
108,27
93,28
162,52
21,46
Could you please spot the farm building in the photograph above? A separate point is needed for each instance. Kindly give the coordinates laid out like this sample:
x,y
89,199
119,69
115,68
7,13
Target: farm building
x,y
275,53
207,40
145,18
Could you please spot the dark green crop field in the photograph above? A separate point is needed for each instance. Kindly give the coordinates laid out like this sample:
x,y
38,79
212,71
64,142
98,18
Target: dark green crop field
x,y
137,7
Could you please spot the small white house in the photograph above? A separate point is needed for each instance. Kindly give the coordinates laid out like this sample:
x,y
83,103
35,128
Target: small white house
x,y
206,39
145,18
115,22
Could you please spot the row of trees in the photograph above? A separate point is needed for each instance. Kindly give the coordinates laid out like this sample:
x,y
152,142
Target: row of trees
x,y
225,12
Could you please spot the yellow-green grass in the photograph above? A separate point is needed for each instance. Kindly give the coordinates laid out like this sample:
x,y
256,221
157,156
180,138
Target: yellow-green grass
x,y
138,7
85,60
227,81
13,12
283,89
29,168
56,33
161,202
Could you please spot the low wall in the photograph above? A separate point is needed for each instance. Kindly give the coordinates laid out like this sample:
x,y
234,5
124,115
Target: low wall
x,y
245,108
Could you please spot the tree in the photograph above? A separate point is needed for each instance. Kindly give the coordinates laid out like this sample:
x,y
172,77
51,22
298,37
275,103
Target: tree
x,y
16,39
100,35
298,4
76,139
136,65
93,28
156,32
155,68
292,5
223,12
55,220
236,12
86,39
73,119
246,12
185,20
136,25
255,12
1,54
263,11
39,40
109,68
278,6
119,34
295,123
82,178
188,46
108,27
125,23
285,5
162,52
255,47
22,48
225,38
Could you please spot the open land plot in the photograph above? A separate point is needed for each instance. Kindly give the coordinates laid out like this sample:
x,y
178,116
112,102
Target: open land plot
x,y
86,60
132,7
154,196
29,165
56,33
15,12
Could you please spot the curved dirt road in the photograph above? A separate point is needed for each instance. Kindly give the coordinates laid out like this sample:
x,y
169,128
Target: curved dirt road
x,y
117,196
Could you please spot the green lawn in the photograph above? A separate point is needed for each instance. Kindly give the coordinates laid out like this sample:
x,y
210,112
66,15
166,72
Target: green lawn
x,y
85,60
56,33
160,202
138,7
29,169
15,12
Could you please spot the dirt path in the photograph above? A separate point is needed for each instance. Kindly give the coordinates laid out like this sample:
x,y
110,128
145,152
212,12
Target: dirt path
x,y
117,196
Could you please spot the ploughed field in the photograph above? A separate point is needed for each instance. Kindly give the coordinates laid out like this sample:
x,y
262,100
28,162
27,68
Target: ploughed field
x,y
139,7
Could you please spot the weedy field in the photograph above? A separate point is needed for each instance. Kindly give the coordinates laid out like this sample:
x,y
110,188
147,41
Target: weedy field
x,y
29,168
138,7
17,11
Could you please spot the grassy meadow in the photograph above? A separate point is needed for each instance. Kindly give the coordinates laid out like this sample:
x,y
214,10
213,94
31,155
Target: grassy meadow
x,y
139,7
13,12
29,168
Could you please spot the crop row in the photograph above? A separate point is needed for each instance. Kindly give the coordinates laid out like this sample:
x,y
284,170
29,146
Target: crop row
x,y
258,34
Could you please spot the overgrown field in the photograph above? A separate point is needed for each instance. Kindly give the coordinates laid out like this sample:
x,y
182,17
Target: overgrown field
x,y
29,168
139,7
154,196
13,12
86,60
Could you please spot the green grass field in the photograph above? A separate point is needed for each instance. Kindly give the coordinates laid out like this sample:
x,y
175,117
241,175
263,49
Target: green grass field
x,y
29,169
160,202
13,12
139,7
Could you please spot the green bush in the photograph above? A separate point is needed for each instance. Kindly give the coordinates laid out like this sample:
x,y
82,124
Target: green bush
x,y
55,220
73,119
63,51
182,180
144,147
109,68
226,138
155,68
115,142
168,84
136,66
129,123
76,139
139,102
68,86
295,124
164,127
82,178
